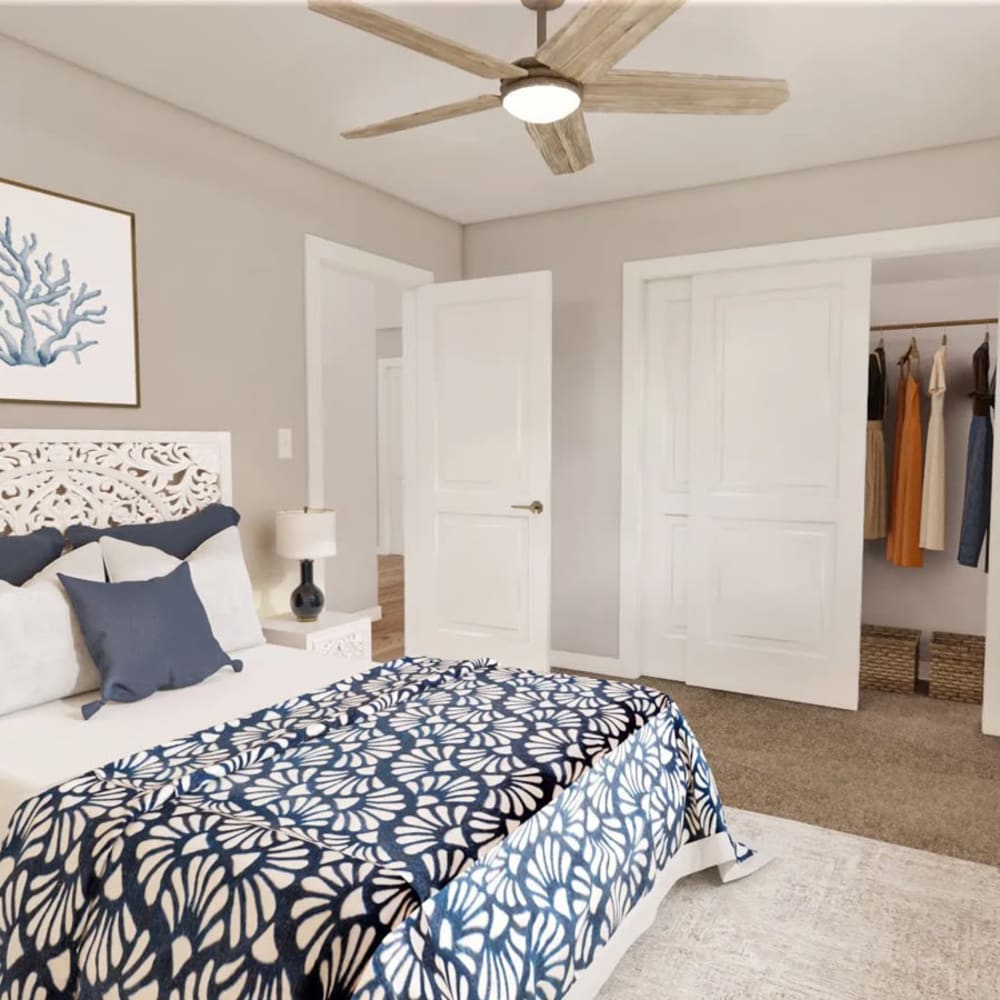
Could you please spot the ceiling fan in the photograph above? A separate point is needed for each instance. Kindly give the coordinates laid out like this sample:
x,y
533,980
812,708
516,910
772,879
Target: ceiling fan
x,y
570,73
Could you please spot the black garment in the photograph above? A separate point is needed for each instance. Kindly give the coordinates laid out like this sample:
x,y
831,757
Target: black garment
x,y
981,381
876,384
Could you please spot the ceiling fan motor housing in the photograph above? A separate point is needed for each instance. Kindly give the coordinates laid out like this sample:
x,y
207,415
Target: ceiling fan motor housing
x,y
536,70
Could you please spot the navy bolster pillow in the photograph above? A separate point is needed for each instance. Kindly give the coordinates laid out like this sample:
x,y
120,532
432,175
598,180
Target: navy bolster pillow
x,y
177,538
23,556
145,636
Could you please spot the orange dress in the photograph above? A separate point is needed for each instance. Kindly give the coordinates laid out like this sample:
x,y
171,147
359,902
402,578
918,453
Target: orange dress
x,y
907,475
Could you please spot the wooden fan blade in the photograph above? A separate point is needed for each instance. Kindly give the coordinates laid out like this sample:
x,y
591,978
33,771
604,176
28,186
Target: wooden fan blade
x,y
604,31
639,92
365,18
564,145
428,117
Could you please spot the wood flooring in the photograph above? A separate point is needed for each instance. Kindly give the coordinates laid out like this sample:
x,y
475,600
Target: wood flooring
x,y
387,634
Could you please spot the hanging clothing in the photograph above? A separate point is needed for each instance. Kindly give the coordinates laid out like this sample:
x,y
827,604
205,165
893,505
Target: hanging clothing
x,y
904,525
932,505
897,452
979,463
875,480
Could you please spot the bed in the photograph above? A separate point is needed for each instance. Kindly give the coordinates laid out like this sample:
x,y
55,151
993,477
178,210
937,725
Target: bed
x,y
315,828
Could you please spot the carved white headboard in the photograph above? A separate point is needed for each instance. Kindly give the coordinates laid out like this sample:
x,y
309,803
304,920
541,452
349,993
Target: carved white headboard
x,y
107,478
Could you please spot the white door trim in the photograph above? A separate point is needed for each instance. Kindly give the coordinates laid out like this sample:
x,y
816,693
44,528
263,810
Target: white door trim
x,y
976,234
386,543
319,253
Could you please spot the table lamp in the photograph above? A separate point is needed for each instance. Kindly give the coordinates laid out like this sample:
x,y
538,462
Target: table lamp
x,y
306,534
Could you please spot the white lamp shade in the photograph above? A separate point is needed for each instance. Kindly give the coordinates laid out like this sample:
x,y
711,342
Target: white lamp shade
x,y
306,534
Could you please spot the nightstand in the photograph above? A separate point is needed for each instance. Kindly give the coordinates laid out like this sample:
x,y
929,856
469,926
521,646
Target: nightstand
x,y
346,636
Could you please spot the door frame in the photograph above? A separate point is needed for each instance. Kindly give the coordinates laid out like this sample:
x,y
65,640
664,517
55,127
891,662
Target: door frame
x,y
386,543
914,241
320,253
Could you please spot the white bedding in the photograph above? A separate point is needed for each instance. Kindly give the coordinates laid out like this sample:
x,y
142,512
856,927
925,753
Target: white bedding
x,y
42,746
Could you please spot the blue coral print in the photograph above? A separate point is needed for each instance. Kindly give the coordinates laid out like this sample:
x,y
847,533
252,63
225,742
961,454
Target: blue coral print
x,y
425,829
39,307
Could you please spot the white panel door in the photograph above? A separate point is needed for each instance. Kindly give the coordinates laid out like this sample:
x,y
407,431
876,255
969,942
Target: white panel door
x,y
779,370
477,399
666,479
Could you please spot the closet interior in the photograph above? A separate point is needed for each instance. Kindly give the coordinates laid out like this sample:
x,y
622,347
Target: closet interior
x,y
933,352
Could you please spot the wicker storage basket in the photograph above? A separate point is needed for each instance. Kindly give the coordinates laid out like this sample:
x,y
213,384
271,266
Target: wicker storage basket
x,y
889,658
957,666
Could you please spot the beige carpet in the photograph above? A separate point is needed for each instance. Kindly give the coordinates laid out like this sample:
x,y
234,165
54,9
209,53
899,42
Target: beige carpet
x,y
906,769
833,917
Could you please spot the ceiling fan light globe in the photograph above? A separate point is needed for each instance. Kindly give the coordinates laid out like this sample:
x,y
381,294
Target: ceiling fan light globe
x,y
541,100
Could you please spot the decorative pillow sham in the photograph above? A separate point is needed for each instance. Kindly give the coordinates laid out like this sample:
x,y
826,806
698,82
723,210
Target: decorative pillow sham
x,y
177,538
220,579
145,636
23,556
43,656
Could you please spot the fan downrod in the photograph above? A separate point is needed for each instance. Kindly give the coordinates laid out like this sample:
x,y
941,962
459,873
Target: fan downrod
x,y
541,9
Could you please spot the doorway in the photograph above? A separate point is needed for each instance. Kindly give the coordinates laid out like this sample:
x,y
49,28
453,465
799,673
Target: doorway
x,y
475,372
389,632
354,367
924,579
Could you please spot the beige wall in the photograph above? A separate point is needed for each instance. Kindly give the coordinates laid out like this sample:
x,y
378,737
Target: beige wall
x,y
389,342
585,249
220,221
350,484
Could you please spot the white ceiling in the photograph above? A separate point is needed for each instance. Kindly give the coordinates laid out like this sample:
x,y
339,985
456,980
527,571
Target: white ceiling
x,y
867,79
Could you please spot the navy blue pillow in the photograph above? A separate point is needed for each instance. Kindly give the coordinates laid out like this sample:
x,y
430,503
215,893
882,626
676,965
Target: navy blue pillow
x,y
146,635
22,556
177,538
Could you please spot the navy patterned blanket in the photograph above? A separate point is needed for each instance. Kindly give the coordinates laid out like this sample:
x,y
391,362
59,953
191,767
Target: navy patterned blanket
x,y
425,829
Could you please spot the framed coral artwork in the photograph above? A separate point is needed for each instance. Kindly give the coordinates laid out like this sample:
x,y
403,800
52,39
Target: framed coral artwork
x,y
68,323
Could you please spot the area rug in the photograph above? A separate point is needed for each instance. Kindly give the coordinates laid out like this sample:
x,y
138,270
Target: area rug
x,y
833,916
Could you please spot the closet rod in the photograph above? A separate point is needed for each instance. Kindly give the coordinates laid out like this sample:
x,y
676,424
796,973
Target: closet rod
x,y
985,321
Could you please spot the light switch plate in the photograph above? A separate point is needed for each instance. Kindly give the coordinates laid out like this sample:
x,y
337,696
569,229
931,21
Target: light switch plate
x,y
284,442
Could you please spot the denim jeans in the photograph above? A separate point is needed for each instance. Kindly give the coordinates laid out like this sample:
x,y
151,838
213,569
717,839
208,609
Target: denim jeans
x,y
978,483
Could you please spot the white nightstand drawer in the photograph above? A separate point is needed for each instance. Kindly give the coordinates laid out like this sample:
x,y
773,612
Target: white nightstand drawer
x,y
347,637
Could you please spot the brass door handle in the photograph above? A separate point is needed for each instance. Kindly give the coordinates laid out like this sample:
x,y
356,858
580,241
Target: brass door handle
x,y
536,506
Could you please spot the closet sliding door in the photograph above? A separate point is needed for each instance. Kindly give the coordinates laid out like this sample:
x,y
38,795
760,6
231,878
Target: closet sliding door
x,y
777,454
666,461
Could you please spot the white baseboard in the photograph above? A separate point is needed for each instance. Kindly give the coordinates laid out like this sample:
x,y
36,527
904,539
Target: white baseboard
x,y
565,660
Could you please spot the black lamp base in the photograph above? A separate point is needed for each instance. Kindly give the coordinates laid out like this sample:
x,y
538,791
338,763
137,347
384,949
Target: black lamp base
x,y
307,599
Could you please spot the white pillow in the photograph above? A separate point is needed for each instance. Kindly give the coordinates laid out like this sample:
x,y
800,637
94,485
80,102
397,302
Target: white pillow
x,y
220,578
42,653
